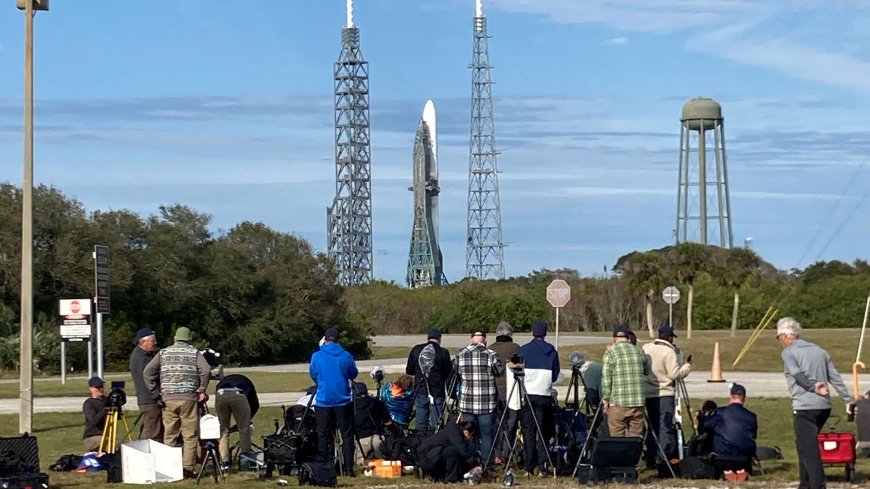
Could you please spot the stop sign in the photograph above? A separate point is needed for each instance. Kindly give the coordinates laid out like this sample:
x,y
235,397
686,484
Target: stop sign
x,y
558,293
75,307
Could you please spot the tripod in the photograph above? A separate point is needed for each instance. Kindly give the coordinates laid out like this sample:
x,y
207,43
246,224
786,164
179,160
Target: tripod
x,y
109,440
525,401
211,457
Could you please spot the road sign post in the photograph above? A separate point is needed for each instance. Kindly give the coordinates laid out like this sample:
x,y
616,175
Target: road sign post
x,y
558,294
671,295
101,300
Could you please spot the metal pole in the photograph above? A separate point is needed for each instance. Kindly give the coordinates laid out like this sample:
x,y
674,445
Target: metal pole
x,y
670,314
100,344
62,362
25,415
702,180
557,327
863,327
90,358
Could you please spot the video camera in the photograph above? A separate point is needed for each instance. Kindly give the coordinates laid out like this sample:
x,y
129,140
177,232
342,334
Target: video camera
x,y
517,369
577,360
213,359
117,397
377,374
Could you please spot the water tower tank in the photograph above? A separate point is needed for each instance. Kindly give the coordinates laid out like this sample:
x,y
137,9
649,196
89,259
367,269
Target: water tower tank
x,y
700,111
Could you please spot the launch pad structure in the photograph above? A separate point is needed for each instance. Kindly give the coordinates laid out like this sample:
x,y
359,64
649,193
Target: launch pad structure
x,y
349,218
484,245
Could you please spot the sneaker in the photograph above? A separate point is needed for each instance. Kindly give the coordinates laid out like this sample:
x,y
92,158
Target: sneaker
x,y
188,474
741,475
729,476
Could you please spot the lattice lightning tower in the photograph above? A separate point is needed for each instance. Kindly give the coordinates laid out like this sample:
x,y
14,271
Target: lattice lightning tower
x,y
349,219
484,247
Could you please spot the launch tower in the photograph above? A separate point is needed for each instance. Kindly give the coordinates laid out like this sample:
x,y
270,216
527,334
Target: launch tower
x,y
484,247
349,218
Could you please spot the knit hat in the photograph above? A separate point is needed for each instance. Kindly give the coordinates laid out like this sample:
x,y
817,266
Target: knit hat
x,y
504,328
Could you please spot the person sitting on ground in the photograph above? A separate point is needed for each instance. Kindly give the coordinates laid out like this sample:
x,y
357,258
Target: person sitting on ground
x,y
448,454
702,443
399,398
94,409
735,429
371,420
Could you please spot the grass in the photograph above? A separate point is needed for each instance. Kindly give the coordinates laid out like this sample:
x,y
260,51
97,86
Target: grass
x,y
60,433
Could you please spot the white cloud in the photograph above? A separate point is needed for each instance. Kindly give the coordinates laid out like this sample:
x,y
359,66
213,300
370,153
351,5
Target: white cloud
x,y
616,41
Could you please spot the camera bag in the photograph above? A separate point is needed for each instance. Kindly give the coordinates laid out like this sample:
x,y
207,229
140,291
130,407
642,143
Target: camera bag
x,y
318,474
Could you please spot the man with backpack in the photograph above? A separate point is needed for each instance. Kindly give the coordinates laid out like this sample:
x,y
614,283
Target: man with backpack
x,y
431,367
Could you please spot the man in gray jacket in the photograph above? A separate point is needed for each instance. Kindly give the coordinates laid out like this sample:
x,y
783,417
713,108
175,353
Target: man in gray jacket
x,y
149,410
809,371
181,374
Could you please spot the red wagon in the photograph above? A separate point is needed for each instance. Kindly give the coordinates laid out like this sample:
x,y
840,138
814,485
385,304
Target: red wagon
x,y
838,449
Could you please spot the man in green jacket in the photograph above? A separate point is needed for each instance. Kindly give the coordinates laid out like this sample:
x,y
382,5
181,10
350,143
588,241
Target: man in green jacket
x,y
622,377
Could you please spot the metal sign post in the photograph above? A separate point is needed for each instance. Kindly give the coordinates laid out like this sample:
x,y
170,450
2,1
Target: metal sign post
x,y
671,295
558,294
101,300
63,362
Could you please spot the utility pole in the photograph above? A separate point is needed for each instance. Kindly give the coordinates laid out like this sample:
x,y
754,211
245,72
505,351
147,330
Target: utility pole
x,y
25,415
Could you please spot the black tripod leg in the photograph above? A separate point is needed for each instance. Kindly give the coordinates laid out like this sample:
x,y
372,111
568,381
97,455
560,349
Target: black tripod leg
x,y
540,436
592,432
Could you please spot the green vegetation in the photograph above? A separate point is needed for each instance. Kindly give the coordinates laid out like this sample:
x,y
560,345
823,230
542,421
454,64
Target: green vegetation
x,y
255,294
60,434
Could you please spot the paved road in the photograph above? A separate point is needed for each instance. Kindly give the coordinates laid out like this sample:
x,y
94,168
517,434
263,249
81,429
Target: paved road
x,y
758,384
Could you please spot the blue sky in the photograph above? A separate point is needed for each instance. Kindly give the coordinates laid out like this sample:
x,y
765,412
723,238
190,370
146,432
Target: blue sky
x,y
228,109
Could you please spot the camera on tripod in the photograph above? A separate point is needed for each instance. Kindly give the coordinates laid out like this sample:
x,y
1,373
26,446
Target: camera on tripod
x,y
213,359
117,397
577,360
517,365
377,374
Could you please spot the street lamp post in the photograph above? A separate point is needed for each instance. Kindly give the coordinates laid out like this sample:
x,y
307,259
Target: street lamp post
x,y
25,415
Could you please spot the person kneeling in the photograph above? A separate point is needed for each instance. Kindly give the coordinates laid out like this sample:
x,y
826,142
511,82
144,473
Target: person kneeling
x,y
735,429
449,453
95,410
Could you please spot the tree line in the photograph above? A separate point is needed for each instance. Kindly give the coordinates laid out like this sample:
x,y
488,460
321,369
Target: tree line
x,y
263,296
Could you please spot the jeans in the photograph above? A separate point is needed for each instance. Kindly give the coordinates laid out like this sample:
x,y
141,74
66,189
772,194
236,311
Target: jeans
x,y
426,417
327,419
486,424
535,450
807,425
661,417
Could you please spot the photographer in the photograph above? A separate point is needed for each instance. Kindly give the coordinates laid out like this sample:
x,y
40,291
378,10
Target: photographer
x,y
180,374
332,368
95,410
505,348
431,384
235,396
477,368
449,453
541,361
149,409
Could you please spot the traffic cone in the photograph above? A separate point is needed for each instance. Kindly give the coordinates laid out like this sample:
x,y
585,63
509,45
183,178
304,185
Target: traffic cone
x,y
716,369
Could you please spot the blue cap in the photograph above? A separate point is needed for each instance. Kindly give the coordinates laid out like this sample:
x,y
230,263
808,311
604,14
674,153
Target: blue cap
x,y
331,333
95,382
621,331
434,333
539,329
666,331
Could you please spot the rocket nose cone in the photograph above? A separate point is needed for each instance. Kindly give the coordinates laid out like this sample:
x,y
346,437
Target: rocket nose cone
x,y
429,111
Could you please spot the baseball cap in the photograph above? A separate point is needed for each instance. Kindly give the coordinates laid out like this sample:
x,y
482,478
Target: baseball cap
x,y
620,330
331,333
182,334
433,334
667,331
737,389
539,329
95,382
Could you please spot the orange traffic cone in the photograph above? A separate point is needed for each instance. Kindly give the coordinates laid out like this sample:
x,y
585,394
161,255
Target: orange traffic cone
x,y
716,369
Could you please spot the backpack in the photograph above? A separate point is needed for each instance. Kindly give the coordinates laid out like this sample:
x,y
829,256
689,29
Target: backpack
x,y
700,467
293,417
318,474
66,463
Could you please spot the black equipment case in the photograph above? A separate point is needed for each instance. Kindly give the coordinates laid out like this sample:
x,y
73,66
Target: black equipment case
x,y
612,460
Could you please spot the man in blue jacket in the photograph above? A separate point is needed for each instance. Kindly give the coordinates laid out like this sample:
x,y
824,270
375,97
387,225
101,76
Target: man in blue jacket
x,y
332,368
735,429
541,366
